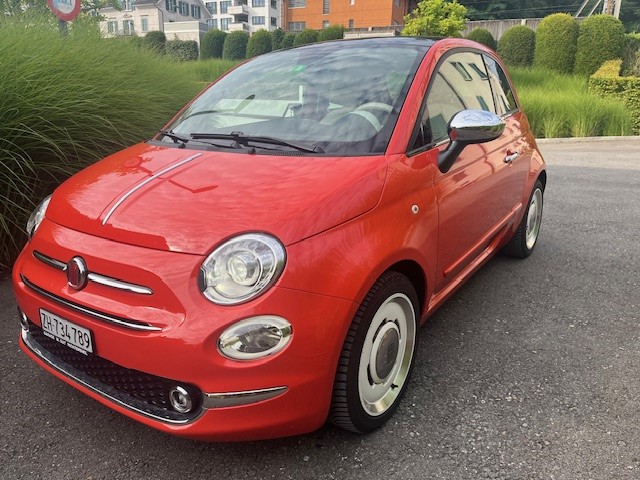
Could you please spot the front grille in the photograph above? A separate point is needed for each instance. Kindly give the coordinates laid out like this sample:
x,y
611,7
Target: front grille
x,y
138,391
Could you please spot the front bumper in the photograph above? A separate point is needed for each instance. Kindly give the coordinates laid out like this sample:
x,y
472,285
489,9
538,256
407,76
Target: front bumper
x,y
286,394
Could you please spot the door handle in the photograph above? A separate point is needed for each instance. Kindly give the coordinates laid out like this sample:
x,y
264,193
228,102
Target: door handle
x,y
511,157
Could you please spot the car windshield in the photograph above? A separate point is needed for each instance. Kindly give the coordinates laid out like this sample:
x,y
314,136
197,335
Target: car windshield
x,y
337,98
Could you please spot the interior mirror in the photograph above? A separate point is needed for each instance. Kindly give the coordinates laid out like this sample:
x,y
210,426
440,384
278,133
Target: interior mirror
x,y
467,127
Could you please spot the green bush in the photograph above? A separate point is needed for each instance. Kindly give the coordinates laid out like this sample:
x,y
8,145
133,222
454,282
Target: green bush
x,y
601,38
276,38
155,41
332,32
63,107
305,37
483,36
608,83
516,46
235,46
259,43
212,44
182,50
288,40
556,42
630,51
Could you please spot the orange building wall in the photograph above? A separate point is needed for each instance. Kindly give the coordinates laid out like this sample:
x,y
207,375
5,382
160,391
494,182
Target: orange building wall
x,y
364,13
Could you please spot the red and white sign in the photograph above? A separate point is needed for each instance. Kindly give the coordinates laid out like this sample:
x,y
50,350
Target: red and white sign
x,y
65,10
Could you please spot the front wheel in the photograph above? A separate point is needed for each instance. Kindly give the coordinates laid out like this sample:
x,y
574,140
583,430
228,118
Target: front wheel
x,y
377,356
526,237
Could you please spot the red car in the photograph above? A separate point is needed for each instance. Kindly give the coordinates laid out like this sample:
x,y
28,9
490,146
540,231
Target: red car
x,y
262,265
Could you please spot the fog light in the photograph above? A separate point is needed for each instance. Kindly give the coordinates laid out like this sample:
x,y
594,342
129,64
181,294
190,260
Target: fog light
x,y
24,321
255,338
180,400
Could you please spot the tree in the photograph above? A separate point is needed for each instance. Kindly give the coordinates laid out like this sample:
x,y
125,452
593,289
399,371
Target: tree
x,y
276,38
436,17
333,32
516,46
483,36
556,43
235,46
305,36
212,44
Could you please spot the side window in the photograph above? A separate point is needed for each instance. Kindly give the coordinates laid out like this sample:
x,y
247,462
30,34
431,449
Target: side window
x,y
461,82
505,101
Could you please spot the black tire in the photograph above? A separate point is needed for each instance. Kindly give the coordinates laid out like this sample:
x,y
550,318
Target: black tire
x,y
366,392
526,236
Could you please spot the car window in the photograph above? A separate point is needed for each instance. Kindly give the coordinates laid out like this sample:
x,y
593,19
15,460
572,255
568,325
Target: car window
x,y
461,82
343,98
504,98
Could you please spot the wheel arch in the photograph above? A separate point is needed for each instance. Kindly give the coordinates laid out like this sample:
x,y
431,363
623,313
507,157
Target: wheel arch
x,y
416,275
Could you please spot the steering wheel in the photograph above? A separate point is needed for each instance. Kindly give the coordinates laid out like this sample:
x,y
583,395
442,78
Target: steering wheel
x,y
375,107
369,110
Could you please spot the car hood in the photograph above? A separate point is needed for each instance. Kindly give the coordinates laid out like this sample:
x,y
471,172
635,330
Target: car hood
x,y
189,200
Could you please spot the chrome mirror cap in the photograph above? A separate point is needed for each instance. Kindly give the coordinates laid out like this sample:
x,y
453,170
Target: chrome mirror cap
x,y
475,126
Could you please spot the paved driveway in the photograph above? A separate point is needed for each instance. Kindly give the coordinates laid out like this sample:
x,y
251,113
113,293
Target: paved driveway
x,y
530,371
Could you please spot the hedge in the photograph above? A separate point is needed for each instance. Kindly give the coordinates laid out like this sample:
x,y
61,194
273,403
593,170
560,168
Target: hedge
x,y
288,40
333,32
212,44
276,38
483,36
631,54
556,43
516,46
156,41
607,82
235,46
601,38
305,37
259,43
182,50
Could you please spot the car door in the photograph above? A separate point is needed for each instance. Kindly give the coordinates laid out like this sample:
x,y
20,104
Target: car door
x,y
477,197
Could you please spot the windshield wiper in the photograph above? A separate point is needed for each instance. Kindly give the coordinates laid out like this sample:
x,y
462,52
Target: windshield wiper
x,y
182,140
244,140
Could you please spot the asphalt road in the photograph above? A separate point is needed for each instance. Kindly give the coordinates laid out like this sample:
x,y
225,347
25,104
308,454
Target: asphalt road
x,y
531,371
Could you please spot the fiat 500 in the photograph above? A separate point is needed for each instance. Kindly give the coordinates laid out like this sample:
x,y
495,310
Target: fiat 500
x,y
263,264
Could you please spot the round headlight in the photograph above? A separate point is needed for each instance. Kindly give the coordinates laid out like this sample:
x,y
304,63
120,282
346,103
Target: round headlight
x,y
255,338
37,216
241,268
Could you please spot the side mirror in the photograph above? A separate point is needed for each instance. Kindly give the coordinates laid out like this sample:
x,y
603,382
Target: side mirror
x,y
467,127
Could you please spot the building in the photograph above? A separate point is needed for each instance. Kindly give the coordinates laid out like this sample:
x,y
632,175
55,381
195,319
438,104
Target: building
x,y
353,14
245,15
179,20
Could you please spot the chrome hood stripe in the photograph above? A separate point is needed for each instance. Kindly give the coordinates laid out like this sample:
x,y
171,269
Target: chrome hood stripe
x,y
144,182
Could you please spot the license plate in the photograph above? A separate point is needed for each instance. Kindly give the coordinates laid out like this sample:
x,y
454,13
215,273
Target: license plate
x,y
66,332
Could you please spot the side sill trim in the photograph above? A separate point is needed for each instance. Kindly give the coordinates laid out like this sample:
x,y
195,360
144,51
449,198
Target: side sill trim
x,y
121,322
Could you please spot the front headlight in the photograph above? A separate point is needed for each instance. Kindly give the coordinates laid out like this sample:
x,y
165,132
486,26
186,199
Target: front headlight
x,y
37,216
241,268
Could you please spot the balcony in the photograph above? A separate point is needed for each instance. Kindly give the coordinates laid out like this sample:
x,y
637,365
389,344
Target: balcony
x,y
238,10
239,27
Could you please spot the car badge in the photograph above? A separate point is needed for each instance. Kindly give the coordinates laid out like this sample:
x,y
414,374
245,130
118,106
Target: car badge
x,y
77,273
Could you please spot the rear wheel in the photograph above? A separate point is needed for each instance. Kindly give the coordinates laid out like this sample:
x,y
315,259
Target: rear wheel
x,y
377,356
526,237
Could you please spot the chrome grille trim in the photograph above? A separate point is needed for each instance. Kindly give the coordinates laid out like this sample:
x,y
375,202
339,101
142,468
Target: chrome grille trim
x,y
101,389
235,399
145,182
96,277
121,322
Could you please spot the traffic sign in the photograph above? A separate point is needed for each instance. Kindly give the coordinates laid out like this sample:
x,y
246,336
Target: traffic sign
x,y
65,10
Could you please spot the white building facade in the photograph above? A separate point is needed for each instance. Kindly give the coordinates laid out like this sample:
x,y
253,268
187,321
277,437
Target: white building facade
x,y
245,15
179,20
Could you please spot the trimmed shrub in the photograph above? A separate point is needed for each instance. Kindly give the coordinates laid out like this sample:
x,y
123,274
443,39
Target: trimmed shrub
x,y
212,44
276,38
332,32
556,43
630,52
288,40
607,82
259,43
155,41
305,37
235,46
601,38
182,50
516,46
483,36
